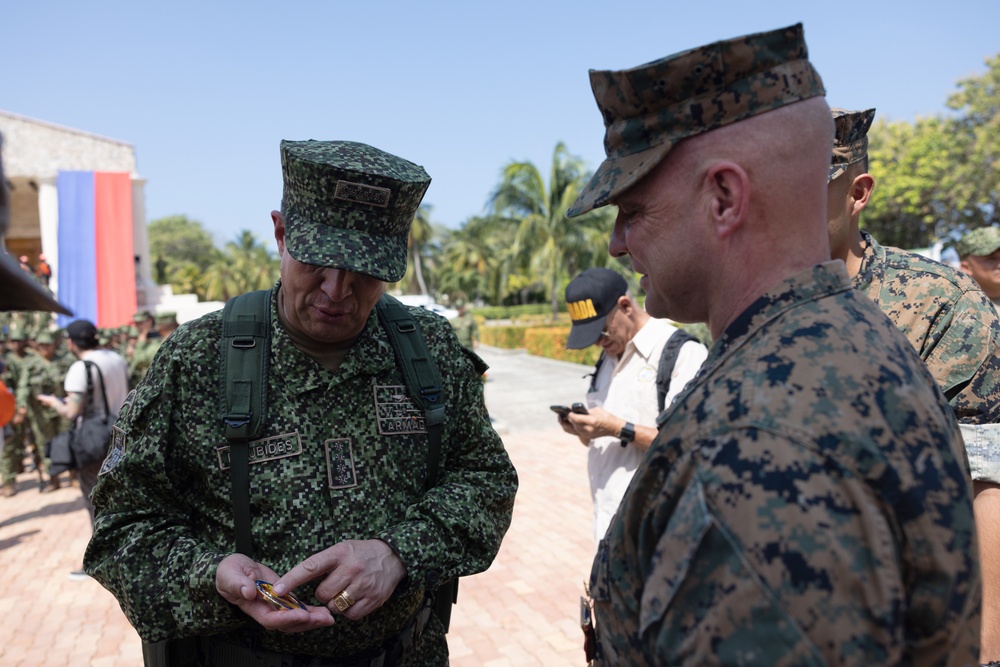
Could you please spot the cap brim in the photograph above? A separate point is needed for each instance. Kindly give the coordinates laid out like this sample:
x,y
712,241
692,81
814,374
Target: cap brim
x,y
584,334
21,292
381,257
615,176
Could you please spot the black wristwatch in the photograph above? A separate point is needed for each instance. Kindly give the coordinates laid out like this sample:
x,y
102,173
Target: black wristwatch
x,y
627,434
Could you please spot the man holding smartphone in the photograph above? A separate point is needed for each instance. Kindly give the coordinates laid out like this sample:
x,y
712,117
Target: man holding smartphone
x,y
622,404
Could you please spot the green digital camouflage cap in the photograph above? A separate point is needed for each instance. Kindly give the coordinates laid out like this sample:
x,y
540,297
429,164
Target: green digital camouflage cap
x,y
850,139
979,242
648,109
166,319
349,205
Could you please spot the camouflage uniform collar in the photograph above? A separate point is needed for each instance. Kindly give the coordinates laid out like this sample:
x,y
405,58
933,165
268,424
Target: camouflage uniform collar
x,y
809,285
872,263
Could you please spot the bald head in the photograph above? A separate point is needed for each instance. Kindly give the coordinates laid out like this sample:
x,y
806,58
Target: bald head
x,y
729,213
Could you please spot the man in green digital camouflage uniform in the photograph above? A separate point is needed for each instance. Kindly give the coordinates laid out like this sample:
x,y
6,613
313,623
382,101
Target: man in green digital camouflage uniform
x,y
465,326
947,318
15,441
41,375
144,353
806,501
979,256
338,506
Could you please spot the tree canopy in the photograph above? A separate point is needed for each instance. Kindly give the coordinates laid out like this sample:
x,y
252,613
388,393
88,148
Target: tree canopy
x,y
938,177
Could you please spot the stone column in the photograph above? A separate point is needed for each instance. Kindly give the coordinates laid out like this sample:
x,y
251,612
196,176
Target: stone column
x,y
48,225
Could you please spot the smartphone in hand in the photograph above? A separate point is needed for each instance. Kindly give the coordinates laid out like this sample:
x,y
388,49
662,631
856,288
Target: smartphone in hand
x,y
560,410
580,409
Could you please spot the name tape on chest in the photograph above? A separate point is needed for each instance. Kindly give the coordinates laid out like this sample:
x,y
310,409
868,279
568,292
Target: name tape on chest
x,y
265,449
396,414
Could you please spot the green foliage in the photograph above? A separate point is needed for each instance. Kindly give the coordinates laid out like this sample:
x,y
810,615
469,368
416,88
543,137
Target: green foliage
x,y
514,313
504,337
547,246
179,240
940,176
911,205
977,133
194,266
550,342
244,266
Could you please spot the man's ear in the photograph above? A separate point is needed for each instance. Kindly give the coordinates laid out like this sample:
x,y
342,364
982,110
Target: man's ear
x,y
279,230
861,192
729,191
625,304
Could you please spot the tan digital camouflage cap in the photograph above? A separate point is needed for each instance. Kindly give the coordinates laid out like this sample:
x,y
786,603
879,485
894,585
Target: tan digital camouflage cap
x,y
850,139
979,242
649,108
349,205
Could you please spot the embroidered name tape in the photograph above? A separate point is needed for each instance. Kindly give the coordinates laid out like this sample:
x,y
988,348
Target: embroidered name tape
x,y
266,449
362,193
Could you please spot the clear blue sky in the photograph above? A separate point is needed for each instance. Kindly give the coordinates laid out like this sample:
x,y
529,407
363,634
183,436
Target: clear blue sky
x,y
206,90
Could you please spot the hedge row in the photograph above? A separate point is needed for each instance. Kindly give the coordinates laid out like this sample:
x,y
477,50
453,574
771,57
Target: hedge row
x,y
550,341
547,342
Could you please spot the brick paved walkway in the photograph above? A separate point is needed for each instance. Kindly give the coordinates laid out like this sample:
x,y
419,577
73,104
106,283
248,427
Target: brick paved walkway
x,y
522,611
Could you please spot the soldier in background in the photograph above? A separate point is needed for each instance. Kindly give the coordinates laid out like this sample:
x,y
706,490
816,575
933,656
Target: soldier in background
x,y
15,442
949,321
166,323
806,500
979,256
40,374
465,326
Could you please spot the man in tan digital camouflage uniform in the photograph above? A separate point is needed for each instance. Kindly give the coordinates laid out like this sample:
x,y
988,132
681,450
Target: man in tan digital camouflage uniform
x,y
979,256
339,509
806,501
948,320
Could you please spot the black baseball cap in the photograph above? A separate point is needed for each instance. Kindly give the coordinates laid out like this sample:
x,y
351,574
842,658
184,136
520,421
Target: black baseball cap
x,y
82,331
589,298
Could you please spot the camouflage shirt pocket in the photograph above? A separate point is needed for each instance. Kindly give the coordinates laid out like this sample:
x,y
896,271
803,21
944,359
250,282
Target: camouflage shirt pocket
x,y
703,602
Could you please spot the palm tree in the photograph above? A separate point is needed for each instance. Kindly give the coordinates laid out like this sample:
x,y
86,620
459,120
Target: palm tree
x,y
546,243
421,233
245,266
475,260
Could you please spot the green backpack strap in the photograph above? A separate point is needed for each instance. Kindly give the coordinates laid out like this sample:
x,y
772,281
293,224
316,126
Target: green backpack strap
x,y
420,372
423,382
246,338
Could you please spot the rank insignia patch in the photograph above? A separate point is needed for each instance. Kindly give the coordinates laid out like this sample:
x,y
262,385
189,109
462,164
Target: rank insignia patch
x,y
340,463
396,412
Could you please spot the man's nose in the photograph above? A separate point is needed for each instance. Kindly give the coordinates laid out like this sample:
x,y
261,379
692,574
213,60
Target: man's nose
x,y
337,283
617,247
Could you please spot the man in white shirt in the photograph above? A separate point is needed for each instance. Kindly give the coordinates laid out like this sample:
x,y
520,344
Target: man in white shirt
x,y
82,340
623,400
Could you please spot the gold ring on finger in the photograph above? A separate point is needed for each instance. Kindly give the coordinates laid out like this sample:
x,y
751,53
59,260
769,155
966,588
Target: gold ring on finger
x,y
343,600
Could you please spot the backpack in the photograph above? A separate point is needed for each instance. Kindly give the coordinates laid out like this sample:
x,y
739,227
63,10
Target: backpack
x,y
668,359
246,330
